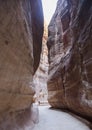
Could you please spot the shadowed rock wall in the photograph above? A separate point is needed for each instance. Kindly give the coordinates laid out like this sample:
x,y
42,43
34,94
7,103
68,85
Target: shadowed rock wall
x,y
18,32
37,27
70,56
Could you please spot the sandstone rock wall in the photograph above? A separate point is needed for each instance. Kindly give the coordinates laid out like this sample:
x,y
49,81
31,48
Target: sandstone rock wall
x,y
37,27
18,32
70,56
41,75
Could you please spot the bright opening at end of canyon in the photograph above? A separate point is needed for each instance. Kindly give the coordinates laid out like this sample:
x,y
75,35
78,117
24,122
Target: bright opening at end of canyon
x,y
46,65
49,7
41,75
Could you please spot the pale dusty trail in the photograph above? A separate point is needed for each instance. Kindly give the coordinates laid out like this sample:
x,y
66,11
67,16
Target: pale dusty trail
x,y
57,120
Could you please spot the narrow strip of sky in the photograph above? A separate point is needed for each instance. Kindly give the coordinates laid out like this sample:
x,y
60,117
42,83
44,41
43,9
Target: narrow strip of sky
x,y
49,7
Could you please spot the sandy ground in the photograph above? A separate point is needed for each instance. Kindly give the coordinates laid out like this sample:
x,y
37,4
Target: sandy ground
x,y
50,119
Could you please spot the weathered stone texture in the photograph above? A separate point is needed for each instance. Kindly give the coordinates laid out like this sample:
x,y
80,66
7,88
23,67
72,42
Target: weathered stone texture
x,y
17,55
70,56
20,120
41,75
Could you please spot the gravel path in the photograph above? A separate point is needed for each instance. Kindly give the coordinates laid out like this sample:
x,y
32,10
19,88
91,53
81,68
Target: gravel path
x,y
57,120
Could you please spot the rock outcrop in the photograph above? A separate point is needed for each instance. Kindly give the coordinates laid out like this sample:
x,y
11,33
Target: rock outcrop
x,y
70,56
21,31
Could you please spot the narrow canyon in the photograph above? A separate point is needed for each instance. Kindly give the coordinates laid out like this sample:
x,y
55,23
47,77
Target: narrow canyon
x,y
54,58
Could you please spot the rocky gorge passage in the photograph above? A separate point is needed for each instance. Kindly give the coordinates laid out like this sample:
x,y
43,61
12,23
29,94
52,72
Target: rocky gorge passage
x,y
41,75
70,62
70,57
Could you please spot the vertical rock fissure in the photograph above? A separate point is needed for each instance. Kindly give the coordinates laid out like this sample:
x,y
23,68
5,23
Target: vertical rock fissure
x,y
62,76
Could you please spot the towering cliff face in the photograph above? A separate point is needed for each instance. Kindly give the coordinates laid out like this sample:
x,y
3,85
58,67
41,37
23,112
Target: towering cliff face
x,y
70,56
20,48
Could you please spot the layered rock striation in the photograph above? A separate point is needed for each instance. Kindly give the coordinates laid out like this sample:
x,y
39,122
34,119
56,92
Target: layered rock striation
x,y
70,56
21,31
41,75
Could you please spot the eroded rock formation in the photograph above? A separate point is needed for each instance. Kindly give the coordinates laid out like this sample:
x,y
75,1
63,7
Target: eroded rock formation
x,y
70,56
21,31
41,75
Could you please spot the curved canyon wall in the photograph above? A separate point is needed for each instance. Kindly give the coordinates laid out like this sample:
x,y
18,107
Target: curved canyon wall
x,y
70,56
21,31
41,75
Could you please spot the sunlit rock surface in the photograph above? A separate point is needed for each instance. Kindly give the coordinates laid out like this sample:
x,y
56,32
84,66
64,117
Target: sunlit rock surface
x,y
70,56
20,48
41,75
